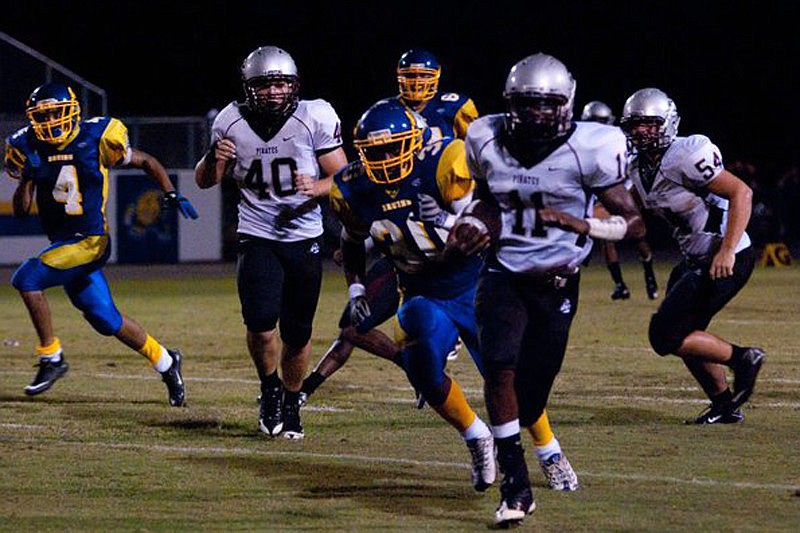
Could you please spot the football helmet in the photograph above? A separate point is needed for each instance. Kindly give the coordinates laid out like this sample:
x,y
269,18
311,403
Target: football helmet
x,y
418,74
53,111
271,83
388,137
539,93
649,120
597,111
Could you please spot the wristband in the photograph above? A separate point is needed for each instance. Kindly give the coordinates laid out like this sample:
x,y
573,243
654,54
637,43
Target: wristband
x,y
613,228
355,290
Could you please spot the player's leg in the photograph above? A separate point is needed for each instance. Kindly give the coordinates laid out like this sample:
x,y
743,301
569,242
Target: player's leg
x,y
646,257
428,333
302,265
259,278
502,319
621,291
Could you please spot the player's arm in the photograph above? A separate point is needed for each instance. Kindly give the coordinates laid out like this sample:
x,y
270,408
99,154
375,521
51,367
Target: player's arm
x,y
21,168
23,198
158,173
740,198
625,221
214,165
329,163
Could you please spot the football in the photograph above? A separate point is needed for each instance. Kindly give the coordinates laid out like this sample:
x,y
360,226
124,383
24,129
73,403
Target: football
x,y
484,216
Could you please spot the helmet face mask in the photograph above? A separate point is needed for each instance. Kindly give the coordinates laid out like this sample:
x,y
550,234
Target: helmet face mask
x,y
649,120
53,112
418,74
271,83
387,138
539,94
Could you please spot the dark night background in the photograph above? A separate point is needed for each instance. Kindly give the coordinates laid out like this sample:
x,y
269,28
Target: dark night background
x,y
729,66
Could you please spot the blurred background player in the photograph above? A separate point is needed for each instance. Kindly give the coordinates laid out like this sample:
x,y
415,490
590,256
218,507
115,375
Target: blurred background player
x,y
446,115
65,163
683,180
266,144
379,196
527,295
597,111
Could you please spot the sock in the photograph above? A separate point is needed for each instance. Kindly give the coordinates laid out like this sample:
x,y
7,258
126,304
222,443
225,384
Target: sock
x,y
290,397
51,352
272,381
164,362
540,430
511,458
616,272
455,409
312,382
647,264
722,398
736,356
548,450
152,350
477,430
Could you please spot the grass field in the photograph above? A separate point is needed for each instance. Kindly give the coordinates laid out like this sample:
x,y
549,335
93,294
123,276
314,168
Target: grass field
x,y
103,451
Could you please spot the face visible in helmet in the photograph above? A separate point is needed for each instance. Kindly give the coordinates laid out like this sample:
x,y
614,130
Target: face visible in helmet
x,y
649,120
539,94
418,74
53,112
597,111
387,138
271,83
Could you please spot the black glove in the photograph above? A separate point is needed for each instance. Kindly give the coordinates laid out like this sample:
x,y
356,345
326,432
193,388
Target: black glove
x,y
181,203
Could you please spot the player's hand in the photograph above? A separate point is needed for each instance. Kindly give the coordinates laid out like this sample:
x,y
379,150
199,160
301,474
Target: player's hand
x,y
465,240
565,221
722,265
359,308
338,257
174,200
225,150
304,184
431,211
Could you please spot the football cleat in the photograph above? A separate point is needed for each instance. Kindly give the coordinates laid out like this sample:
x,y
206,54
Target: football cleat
x,y
745,374
452,355
515,503
484,469
47,374
270,411
559,473
303,398
292,428
718,414
651,286
621,292
173,378
421,401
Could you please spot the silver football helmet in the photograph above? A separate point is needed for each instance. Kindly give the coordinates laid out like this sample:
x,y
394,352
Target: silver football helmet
x,y
649,120
597,111
540,92
266,66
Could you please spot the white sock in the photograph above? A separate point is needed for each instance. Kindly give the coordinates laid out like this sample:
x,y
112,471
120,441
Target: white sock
x,y
164,362
478,429
506,430
53,357
548,450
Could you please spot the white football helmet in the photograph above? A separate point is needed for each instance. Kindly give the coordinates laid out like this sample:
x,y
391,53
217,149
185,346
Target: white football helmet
x,y
266,65
540,92
650,120
597,111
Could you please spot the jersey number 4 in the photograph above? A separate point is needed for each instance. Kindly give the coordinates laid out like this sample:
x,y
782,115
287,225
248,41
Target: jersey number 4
x,y
67,192
281,178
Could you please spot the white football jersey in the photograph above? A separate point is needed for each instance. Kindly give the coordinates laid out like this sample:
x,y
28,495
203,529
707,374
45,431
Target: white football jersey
x,y
593,157
677,190
264,167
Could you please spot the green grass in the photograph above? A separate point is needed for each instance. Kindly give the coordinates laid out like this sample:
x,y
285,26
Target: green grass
x,y
102,451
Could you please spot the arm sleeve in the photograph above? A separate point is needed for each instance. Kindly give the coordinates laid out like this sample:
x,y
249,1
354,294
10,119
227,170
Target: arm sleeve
x,y
452,174
115,148
702,162
464,117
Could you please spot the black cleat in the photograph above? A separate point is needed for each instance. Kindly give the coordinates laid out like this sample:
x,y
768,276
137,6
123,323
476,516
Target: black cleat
x,y
292,428
651,286
745,374
270,412
621,292
48,373
718,414
516,503
174,379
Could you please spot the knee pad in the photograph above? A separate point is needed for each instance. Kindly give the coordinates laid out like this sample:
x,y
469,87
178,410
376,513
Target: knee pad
x,y
664,338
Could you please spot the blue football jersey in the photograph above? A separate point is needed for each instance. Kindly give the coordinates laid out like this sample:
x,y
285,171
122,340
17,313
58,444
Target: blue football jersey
x,y
448,114
389,213
72,179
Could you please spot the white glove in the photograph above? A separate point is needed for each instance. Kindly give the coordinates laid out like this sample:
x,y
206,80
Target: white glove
x,y
431,211
359,308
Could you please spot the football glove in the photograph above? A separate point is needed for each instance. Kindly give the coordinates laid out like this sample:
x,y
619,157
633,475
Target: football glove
x,y
181,203
359,308
431,211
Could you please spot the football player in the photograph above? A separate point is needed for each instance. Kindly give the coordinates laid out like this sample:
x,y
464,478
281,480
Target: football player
x,y
597,111
683,180
405,196
64,162
541,171
446,114
266,143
